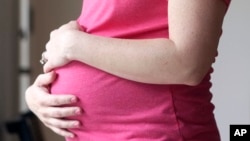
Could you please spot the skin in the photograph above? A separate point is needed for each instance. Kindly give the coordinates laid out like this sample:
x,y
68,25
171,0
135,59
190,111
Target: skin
x,y
184,58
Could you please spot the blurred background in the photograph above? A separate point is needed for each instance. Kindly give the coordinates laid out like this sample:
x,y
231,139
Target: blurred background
x,y
24,30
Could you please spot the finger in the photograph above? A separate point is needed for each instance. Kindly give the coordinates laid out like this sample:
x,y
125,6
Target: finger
x,y
79,27
70,25
61,132
61,123
53,33
47,67
65,27
60,112
58,100
74,24
44,55
45,79
47,46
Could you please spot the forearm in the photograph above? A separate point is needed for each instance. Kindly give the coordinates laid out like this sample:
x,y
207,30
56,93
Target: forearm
x,y
149,60
184,58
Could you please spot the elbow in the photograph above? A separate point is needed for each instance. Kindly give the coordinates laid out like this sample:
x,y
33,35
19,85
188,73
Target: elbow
x,y
194,77
186,77
193,74
194,81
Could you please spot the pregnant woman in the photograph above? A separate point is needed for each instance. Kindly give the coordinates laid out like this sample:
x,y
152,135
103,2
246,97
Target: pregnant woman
x,y
132,70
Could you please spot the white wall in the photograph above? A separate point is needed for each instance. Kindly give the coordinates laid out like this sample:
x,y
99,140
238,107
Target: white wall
x,y
231,78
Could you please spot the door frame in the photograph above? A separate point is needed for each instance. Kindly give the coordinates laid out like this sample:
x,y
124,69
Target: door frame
x,y
9,64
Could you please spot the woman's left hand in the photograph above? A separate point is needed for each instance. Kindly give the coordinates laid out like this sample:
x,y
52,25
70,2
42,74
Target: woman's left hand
x,y
61,42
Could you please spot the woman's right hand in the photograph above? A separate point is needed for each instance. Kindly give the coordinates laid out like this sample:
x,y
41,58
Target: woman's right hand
x,y
47,107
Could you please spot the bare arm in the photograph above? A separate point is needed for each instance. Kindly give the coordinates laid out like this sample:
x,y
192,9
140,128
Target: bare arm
x,y
184,58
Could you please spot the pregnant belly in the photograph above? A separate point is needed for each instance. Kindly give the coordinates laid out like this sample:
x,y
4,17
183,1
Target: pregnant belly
x,y
99,91
115,105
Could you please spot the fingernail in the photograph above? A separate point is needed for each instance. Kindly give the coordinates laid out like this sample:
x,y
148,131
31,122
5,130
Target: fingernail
x,y
77,124
78,111
73,100
71,136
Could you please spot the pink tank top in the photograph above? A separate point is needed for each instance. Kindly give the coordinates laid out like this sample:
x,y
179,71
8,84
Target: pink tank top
x,y
117,109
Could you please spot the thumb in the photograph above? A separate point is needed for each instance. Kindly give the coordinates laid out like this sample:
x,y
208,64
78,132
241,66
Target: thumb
x,y
47,67
45,79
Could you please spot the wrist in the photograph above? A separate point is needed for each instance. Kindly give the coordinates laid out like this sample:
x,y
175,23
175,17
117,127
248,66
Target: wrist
x,y
74,49
69,55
